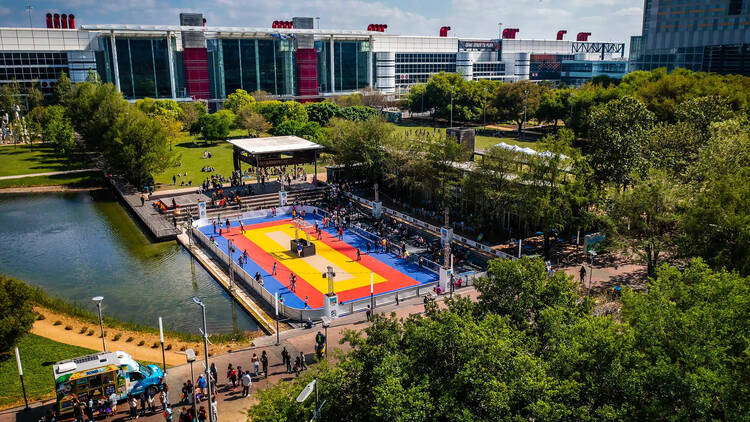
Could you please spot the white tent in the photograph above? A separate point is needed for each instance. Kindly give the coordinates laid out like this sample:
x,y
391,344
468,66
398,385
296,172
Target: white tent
x,y
525,150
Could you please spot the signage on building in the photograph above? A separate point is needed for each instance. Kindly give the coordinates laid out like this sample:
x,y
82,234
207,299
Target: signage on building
x,y
490,45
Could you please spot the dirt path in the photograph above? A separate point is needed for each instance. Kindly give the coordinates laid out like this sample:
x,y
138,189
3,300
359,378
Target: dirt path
x,y
71,331
47,189
49,173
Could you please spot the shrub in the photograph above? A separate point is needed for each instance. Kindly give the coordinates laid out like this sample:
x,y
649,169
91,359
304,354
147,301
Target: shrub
x,y
83,330
90,333
155,345
40,317
103,335
169,347
58,322
142,342
129,339
117,337
182,348
68,328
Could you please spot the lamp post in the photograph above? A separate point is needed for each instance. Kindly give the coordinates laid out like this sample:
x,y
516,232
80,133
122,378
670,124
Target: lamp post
x,y
525,106
229,254
276,307
20,374
98,300
205,352
161,338
451,124
372,292
592,254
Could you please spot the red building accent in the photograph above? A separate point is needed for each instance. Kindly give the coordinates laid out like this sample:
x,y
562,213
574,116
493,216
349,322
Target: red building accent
x,y
307,72
510,33
444,31
560,34
583,36
196,72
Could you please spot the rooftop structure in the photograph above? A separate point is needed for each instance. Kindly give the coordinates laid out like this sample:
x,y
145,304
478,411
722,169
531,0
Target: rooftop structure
x,y
289,59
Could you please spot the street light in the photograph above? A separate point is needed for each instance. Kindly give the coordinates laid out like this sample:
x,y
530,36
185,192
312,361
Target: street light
x,y
592,254
98,300
205,352
20,374
525,106
305,393
161,337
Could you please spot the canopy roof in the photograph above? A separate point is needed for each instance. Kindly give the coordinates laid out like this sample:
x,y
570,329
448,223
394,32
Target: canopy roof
x,y
274,145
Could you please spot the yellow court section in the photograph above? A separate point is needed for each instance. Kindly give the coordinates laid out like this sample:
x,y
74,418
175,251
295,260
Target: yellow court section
x,y
275,240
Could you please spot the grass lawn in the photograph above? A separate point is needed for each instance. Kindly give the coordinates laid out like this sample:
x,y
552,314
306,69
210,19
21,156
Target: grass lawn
x,y
37,356
25,159
191,148
75,180
480,142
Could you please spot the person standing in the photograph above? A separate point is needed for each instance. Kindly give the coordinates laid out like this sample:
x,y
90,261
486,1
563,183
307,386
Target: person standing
x,y
133,404
246,382
359,255
163,400
286,360
264,362
273,270
214,373
582,273
256,364
368,313
306,300
302,360
232,375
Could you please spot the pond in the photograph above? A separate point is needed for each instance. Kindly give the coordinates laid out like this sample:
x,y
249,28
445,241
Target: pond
x,y
79,245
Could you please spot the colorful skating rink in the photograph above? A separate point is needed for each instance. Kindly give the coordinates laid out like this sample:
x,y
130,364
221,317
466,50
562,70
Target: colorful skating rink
x,y
267,241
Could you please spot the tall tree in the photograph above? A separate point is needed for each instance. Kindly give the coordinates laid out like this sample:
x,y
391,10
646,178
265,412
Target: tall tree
x,y
254,123
238,100
619,133
17,316
361,143
518,101
643,218
64,90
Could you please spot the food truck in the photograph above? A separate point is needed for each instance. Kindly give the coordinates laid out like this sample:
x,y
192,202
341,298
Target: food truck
x,y
99,375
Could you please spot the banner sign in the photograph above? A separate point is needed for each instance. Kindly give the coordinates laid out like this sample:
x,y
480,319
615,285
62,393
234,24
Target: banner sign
x,y
202,209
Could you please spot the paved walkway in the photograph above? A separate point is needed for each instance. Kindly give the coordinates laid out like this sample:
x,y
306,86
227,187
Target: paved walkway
x,y
232,407
50,173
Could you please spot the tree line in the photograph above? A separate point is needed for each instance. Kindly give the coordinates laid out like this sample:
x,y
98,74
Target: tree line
x,y
655,162
531,348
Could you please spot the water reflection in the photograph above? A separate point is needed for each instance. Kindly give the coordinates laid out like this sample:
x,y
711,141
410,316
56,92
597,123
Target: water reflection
x,y
79,245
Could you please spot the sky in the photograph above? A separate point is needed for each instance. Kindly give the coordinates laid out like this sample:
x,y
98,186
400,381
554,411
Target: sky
x,y
607,20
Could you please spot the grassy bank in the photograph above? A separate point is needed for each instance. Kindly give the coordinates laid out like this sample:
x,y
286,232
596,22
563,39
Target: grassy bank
x,y
28,159
43,299
37,356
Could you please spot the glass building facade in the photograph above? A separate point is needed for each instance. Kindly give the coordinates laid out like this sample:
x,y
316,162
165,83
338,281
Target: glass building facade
x,y
700,35
142,63
415,68
251,64
351,65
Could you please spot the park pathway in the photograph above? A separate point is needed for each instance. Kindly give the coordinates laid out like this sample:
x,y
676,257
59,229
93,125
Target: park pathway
x,y
232,407
50,173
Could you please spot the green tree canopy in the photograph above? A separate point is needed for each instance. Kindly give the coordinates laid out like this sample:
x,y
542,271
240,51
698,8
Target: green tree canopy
x,y
619,133
238,100
16,317
216,126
